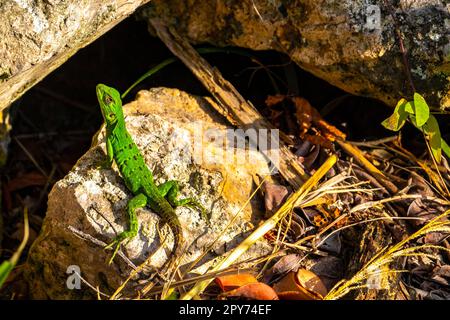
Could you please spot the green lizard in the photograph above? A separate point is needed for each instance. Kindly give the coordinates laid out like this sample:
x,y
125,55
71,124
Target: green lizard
x,y
137,176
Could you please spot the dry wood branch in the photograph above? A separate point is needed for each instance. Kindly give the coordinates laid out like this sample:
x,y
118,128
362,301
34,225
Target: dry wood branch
x,y
233,105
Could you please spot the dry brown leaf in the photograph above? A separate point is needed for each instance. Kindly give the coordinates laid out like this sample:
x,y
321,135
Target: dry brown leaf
x,y
441,274
319,140
311,282
308,118
274,195
301,285
425,210
332,244
316,217
309,159
285,264
308,115
418,185
329,269
305,114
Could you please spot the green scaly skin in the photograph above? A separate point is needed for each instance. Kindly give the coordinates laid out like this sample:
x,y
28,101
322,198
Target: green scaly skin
x,y
137,176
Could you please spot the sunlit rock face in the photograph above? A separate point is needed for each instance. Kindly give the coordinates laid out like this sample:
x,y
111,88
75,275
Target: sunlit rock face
x,y
179,138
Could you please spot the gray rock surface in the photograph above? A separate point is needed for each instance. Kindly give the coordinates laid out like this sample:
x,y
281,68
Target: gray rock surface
x,y
37,36
349,43
87,205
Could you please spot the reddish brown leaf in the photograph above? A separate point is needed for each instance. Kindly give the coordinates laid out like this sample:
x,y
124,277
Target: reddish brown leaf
x,y
29,179
233,281
319,140
329,131
254,291
307,116
273,100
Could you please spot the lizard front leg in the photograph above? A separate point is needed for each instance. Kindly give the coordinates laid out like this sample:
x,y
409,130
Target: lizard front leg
x,y
109,151
169,190
107,163
137,202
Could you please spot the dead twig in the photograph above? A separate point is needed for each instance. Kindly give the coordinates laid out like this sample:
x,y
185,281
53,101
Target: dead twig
x,y
90,238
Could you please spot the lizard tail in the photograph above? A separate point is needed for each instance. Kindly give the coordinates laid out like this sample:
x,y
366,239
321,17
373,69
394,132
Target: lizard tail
x,y
178,246
177,252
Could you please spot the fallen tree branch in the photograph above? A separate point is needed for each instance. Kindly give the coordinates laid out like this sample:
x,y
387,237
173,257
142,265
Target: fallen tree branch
x,y
230,102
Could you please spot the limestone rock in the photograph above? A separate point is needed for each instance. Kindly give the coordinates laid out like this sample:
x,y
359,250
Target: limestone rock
x,y
87,205
351,44
37,36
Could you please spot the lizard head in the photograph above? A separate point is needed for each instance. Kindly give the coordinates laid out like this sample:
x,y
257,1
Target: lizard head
x,y
110,104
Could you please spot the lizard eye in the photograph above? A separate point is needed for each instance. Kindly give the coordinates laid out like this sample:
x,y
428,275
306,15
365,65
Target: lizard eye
x,y
112,115
108,99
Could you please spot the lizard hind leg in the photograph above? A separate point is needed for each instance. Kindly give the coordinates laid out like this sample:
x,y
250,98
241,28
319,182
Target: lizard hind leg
x,y
136,202
169,190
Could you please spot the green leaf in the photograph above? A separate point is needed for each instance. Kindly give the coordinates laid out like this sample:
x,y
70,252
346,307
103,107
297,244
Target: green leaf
x,y
172,296
431,128
445,148
8,265
413,121
409,107
396,121
422,111
5,269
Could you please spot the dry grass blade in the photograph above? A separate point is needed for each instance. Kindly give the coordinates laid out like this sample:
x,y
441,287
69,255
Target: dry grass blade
x,y
30,156
331,187
233,269
130,276
269,224
370,204
434,177
170,284
230,224
96,289
361,159
379,264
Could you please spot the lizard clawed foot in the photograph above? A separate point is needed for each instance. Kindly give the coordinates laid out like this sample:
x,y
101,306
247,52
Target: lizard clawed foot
x,y
192,203
117,242
138,201
169,190
203,214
